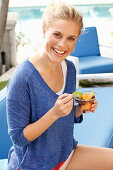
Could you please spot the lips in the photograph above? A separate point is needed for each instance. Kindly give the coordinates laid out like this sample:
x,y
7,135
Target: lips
x,y
61,52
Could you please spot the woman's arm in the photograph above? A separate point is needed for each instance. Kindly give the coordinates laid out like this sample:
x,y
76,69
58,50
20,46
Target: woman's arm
x,y
32,131
62,107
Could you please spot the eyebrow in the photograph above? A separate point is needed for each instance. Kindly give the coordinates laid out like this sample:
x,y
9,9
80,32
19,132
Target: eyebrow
x,y
69,35
74,36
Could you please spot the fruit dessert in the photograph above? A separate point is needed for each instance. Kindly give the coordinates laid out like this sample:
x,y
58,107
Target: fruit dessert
x,y
85,99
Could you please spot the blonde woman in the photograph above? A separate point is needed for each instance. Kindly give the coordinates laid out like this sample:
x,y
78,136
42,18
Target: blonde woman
x,y
40,109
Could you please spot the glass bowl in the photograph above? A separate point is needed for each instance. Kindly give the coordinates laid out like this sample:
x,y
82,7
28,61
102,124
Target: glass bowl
x,y
85,91
85,103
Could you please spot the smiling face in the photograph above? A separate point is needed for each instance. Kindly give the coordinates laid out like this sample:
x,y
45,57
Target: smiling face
x,y
60,39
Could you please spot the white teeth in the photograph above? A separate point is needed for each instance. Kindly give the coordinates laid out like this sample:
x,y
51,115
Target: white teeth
x,y
60,52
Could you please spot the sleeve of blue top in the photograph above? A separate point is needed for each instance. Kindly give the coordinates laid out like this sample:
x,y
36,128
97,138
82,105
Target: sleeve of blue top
x,y
18,119
18,110
79,119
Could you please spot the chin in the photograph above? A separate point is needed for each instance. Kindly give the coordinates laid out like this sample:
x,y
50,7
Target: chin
x,y
58,60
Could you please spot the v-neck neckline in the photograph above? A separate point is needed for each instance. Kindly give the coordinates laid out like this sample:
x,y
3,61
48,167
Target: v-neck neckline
x,y
43,81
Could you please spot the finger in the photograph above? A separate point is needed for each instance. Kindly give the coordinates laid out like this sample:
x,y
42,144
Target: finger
x,y
95,102
94,105
68,107
63,96
93,109
88,111
69,103
67,99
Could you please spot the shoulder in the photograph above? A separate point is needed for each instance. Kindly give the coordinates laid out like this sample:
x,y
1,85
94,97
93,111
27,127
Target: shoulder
x,y
20,78
70,65
23,72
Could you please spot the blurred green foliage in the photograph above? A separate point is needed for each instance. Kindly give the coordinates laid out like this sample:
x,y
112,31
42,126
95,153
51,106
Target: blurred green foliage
x,y
3,84
87,83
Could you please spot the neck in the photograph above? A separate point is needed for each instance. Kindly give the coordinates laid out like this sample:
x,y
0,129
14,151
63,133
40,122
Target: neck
x,y
47,63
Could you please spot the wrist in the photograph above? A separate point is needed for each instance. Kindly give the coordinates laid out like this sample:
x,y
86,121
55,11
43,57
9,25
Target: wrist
x,y
78,111
54,113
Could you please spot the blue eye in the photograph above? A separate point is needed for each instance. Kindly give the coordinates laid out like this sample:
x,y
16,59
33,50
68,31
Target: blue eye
x,y
57,35
71,38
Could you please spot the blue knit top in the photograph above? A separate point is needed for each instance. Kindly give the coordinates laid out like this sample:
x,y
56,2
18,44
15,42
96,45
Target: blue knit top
x,y
29,98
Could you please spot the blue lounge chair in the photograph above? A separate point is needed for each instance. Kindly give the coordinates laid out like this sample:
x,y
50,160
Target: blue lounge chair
x,y
5,142
90,59
96,128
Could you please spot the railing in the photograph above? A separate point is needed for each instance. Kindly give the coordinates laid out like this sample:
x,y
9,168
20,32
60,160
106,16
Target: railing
x,y
75,60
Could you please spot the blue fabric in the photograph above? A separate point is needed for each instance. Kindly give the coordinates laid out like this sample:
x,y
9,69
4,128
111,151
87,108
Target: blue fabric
x,y
90,59
87,44
5,142
97,128
95,64
29,98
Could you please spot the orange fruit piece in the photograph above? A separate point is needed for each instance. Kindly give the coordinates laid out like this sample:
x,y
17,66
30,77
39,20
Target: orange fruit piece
x,y
86,106
86,96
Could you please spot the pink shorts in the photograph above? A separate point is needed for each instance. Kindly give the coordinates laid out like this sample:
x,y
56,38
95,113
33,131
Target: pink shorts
x,y
63,165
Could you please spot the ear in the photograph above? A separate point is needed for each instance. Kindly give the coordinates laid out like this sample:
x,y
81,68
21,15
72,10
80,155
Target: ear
x,y
44,31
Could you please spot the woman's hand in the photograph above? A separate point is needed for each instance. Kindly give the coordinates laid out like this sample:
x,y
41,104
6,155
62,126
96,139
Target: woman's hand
x,y
63,105
94,106
87,107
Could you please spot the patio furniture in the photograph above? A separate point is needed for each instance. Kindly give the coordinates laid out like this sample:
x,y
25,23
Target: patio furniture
x,y
75,61
5,142
96,128
88,52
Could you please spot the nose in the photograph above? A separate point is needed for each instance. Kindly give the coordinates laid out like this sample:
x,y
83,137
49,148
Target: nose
x,y
62,43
